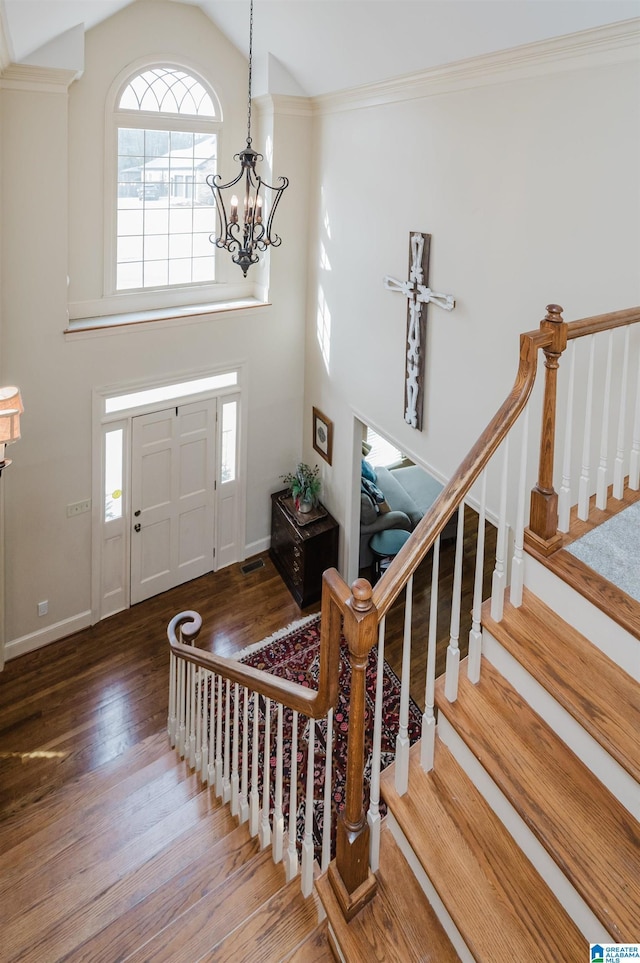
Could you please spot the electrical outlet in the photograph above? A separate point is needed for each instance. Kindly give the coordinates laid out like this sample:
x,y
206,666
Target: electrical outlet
x,y
43,607
77,508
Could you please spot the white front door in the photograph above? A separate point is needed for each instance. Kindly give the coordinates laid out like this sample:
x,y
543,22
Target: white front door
x,y
172,497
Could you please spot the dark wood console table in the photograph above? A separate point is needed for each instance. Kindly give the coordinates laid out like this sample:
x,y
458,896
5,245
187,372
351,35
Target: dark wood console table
x,y
302,546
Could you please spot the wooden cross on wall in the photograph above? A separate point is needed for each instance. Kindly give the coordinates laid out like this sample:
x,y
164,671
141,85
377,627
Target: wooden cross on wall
x,y
419,295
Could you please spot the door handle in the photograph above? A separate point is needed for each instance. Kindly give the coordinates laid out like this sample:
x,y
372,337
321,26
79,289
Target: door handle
x,y
137,513
137,527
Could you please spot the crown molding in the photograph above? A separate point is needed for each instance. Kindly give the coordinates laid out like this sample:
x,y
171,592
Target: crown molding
x,y
50,80
600,46
282,104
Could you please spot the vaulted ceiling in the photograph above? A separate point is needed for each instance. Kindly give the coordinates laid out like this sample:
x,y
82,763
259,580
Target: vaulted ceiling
x,y
322,46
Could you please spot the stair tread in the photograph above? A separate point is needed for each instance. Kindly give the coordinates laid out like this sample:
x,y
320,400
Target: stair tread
x,y
31,912
585,829
190,935
274,930
600,695
397,925
314,949
55,804
481,875
132,909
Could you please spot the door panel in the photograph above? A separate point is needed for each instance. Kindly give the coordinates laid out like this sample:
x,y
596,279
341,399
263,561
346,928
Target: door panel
x,y
172,489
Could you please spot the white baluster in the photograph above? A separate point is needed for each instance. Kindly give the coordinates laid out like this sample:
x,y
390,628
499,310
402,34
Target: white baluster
x,y
265,828
585,471
204,748
402,739
173,696
192,714
427,743
254,802
244,787
517,565
326,826
373,813
453,651
219,765
499,581
307,843
182,706
475,632
564,495
291,856
226,774
278,818
211,774
618,465
198,745
235,775
601,476
634,464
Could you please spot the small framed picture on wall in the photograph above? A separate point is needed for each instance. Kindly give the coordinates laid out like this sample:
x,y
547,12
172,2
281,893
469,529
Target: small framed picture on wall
x,y
322,435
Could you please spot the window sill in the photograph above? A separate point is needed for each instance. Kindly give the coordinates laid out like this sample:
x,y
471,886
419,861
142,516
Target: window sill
x,y
164,317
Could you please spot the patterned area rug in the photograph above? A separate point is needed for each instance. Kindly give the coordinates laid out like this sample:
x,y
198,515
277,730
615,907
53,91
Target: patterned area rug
x,y
613,550
293,654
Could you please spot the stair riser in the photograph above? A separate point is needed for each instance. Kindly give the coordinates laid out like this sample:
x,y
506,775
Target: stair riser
x,y
589,751
428,889
616,643
564,892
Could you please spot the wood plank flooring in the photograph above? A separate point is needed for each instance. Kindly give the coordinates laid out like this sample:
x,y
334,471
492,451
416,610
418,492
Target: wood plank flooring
x,y
79,703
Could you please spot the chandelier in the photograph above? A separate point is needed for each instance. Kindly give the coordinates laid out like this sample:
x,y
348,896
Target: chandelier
x,y
246,233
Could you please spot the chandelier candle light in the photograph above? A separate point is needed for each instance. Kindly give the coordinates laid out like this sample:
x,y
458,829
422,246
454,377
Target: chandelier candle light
x,y
248,235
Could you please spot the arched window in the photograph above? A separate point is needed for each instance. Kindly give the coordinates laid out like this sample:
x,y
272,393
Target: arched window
x,y
168,124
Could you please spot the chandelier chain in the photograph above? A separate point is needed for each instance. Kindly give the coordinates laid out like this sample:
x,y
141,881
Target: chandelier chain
x,y
250,71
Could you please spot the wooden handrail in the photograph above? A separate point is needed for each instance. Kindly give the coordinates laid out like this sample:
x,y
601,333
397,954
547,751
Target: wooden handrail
x,y
602,322
436,517
336,596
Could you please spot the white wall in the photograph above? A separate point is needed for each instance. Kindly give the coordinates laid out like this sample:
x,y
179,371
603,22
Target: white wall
x,y
528,182
52,193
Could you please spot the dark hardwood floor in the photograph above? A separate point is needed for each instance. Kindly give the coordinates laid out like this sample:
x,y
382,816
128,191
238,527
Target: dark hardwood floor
x,y
81,702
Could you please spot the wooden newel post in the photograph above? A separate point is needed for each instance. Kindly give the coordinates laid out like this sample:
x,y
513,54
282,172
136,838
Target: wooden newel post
x,y
353,882
543,533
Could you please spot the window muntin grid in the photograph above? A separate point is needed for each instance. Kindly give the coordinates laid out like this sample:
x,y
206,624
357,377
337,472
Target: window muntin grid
x,y
167,90
165,212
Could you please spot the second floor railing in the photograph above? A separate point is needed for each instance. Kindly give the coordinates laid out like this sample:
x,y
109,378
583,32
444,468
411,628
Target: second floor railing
x,y
215,700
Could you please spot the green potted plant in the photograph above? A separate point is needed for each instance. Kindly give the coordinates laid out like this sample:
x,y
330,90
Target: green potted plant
x,y
304,485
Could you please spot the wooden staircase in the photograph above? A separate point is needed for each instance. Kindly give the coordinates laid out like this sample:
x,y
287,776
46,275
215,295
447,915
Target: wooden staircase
x,y
523,842
525,835
136,861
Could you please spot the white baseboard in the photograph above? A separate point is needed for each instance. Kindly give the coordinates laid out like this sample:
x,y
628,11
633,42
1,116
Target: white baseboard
x,y
255,548
52,633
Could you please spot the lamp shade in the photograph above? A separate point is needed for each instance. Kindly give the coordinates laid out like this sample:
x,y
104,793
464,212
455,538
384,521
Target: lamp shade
x,y
10,399
9,425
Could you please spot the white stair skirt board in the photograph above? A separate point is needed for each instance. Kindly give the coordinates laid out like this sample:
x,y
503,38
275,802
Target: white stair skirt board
x,y
617,780
438,906
574,905
616,643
